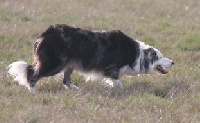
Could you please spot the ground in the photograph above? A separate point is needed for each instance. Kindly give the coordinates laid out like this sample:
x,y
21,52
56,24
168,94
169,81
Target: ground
x,y
172,26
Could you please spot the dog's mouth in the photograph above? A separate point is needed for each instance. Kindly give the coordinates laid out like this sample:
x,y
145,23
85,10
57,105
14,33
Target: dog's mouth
x,y
161,69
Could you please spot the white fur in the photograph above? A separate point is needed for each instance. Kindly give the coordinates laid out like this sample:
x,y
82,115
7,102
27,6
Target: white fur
x,y
113,82
95,76
142,45
91,76
72,86
18,70
162,60
128,71
165,62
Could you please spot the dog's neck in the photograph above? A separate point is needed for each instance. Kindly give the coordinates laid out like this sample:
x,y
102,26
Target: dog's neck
x,y
141,66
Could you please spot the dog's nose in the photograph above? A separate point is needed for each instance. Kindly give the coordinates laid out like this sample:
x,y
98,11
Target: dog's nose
x,y
172,63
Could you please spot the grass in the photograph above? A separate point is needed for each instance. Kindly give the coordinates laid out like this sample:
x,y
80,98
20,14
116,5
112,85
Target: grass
x,y
191,43
171,26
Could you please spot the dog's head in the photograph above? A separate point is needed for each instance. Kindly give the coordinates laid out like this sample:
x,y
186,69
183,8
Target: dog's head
x,y
154,61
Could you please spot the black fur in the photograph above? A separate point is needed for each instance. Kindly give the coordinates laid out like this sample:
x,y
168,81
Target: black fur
x,y
63,46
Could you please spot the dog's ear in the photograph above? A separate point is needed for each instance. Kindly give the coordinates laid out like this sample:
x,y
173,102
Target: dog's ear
x,y
149,51
153,52
146,51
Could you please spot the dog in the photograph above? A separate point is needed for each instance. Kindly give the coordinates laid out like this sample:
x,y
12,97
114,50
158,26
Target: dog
x,y
110,53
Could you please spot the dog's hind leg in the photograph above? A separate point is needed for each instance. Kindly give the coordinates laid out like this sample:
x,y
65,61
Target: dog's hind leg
x,y
32,78
67,79
44,70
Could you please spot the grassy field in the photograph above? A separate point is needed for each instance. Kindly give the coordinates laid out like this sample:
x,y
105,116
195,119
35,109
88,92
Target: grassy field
x,y
173,26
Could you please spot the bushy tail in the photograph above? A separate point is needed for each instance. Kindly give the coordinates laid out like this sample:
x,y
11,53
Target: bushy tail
x,y
18,70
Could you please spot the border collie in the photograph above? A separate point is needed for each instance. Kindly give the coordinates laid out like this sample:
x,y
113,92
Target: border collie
x,y
65,48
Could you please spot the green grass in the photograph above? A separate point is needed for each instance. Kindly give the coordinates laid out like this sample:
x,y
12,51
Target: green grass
x,y
191,43
171,26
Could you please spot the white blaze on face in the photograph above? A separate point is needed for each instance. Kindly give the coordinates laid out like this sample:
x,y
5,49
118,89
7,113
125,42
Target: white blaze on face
x,y
163,61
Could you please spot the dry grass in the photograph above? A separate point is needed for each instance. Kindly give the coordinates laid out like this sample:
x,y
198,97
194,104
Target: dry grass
x,y
172,26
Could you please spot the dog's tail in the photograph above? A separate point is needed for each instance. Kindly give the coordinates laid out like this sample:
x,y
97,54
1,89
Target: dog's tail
x,y
21,71
24,73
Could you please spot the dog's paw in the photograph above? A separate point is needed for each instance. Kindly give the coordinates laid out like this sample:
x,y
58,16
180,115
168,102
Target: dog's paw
x,y
114,83
72,87
32,90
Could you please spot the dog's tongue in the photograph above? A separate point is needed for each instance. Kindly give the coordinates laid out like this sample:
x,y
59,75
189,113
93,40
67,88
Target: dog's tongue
x,y
161,69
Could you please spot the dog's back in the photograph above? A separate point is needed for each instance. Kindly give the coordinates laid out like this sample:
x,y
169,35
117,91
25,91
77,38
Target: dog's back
x,y
94,50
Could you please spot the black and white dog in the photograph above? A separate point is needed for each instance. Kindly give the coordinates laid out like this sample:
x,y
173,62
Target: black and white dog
x,y
110,53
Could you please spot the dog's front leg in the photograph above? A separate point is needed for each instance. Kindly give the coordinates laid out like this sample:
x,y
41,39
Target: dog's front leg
x,y
115,83
113,78
67,79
